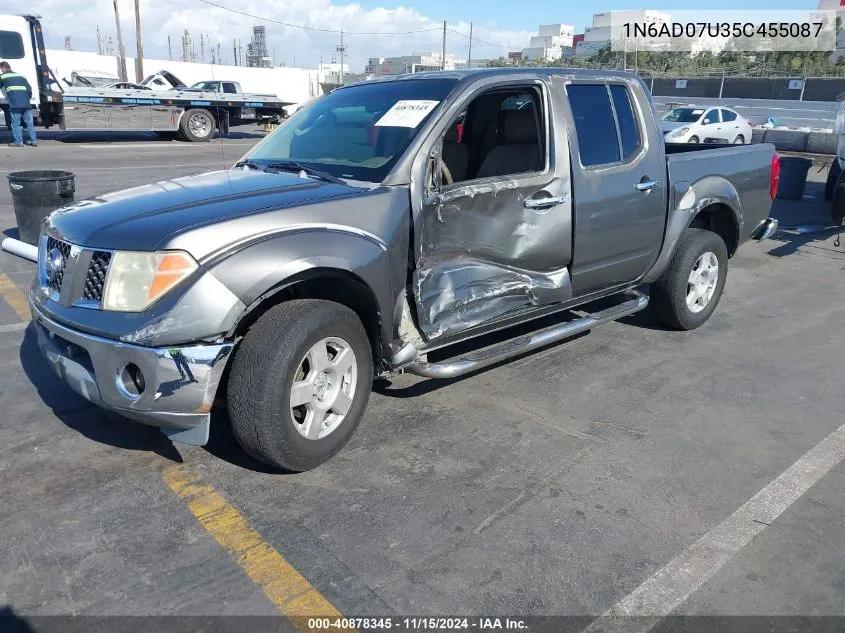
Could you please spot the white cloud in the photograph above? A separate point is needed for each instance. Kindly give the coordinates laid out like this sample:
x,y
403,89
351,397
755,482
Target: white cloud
x,y
80,18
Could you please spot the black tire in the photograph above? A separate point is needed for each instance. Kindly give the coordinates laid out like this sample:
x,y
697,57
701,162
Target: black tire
x,y
185,125
832,177
739,140
263,371
693,139
668,295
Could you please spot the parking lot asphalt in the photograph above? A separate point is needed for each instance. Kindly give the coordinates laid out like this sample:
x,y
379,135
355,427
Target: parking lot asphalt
x,y
561,483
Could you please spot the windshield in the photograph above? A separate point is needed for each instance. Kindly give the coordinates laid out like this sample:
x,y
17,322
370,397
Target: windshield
x,y
358,132
683,115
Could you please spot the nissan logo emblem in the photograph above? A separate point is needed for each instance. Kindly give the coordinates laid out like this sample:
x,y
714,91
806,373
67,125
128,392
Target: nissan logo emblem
x,y
55,263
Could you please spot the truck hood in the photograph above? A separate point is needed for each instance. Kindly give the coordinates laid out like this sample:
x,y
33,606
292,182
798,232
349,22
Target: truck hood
x,y
147,218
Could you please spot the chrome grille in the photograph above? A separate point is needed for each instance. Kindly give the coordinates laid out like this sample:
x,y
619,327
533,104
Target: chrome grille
x,y
95,278
54,281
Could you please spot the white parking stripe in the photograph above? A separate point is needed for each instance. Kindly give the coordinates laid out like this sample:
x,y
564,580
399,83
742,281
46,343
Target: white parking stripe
x,y
670,586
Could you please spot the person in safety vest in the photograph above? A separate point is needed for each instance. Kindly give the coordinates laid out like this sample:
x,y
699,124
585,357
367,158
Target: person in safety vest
x,y
18,93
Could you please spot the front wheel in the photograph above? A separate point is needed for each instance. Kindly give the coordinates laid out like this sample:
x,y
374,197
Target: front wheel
x,y
689,289
693,139
299,383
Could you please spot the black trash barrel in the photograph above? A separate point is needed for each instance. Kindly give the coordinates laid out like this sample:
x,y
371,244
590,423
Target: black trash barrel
x,y
793,176
37,193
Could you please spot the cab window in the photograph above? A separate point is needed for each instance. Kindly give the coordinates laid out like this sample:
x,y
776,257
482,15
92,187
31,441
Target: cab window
x,y
11,45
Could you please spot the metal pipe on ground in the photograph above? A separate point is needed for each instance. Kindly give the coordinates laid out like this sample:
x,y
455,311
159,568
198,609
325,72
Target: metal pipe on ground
x,y
21,249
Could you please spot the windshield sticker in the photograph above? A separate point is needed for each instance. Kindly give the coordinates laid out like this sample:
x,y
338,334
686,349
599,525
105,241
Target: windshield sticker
x,y
697,111
408,113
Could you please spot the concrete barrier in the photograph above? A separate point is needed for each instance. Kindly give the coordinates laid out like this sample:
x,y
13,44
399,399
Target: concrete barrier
x,y
821,143
787,140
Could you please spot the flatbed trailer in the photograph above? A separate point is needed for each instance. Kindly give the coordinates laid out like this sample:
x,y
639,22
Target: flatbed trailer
x,y
189,115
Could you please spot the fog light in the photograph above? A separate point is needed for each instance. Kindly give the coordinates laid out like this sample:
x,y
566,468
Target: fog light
x,y
130,381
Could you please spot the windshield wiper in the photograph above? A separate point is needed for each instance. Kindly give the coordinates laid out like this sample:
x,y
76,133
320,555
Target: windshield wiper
x,y
250,164
290,165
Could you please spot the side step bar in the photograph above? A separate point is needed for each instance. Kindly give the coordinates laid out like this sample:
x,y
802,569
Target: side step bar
x,y
528,342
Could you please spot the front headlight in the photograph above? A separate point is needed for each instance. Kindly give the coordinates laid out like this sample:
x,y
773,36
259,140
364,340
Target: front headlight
x,y
678,131
135,280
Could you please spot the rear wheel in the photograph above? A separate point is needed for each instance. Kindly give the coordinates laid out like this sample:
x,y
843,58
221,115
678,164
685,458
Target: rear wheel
x,y
689,289
693,139
299,383
739,140
197,125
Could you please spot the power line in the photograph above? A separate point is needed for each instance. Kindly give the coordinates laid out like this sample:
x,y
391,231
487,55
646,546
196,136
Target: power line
x,y
314,28
478,39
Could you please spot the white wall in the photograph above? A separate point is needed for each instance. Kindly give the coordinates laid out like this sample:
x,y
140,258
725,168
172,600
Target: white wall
x,y
288,84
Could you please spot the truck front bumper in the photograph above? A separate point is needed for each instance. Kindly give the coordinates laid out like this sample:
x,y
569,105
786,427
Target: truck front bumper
x,y
171,388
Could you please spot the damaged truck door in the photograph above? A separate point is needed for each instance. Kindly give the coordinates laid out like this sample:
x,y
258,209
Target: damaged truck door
x,y
494,231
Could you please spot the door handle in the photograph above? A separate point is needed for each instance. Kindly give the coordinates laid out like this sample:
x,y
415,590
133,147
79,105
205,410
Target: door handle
x,y
543,203
647,186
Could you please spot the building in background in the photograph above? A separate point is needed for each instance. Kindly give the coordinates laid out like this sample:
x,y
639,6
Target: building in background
x,y
414,63
257,55
598,35
549,43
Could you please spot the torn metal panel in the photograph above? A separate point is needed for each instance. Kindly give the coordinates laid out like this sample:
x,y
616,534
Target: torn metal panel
x,y
482,254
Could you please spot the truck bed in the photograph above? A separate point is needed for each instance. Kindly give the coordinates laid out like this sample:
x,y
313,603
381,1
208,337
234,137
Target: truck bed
x,y
744,170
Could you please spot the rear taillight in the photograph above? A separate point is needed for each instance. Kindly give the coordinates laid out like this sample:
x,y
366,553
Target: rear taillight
x,y
773,183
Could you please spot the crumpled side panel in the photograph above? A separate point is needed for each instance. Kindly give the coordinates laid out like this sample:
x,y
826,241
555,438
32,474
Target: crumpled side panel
x,y
484,255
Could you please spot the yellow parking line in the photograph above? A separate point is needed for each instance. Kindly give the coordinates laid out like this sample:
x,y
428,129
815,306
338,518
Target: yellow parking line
x,y
282,584
14,297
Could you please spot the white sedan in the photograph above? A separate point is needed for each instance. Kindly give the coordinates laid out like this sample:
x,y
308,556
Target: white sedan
x,y
691,124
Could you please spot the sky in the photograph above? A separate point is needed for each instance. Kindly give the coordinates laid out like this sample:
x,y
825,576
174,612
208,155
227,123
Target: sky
x,y
374,28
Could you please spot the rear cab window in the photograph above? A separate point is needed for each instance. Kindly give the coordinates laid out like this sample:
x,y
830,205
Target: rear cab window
x,y
11,45
606,125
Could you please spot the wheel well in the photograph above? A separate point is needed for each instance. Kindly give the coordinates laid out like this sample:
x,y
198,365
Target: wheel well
x,y
339,287
720,219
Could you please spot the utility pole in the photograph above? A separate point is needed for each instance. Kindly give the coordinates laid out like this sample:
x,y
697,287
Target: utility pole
x,y
202,47
443,57
121,52
240,53
139,58
99,42
219,59
469,55
169,49
341,49
235,50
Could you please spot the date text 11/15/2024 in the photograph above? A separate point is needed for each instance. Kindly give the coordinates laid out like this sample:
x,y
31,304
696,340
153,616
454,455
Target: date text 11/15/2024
x,y
409,624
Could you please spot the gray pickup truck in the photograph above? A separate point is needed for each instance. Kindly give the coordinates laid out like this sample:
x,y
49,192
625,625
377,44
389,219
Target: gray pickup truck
x,y
385,221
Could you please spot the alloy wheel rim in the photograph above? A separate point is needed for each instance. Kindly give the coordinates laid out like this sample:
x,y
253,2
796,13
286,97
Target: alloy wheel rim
x,y
323,388
701,285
